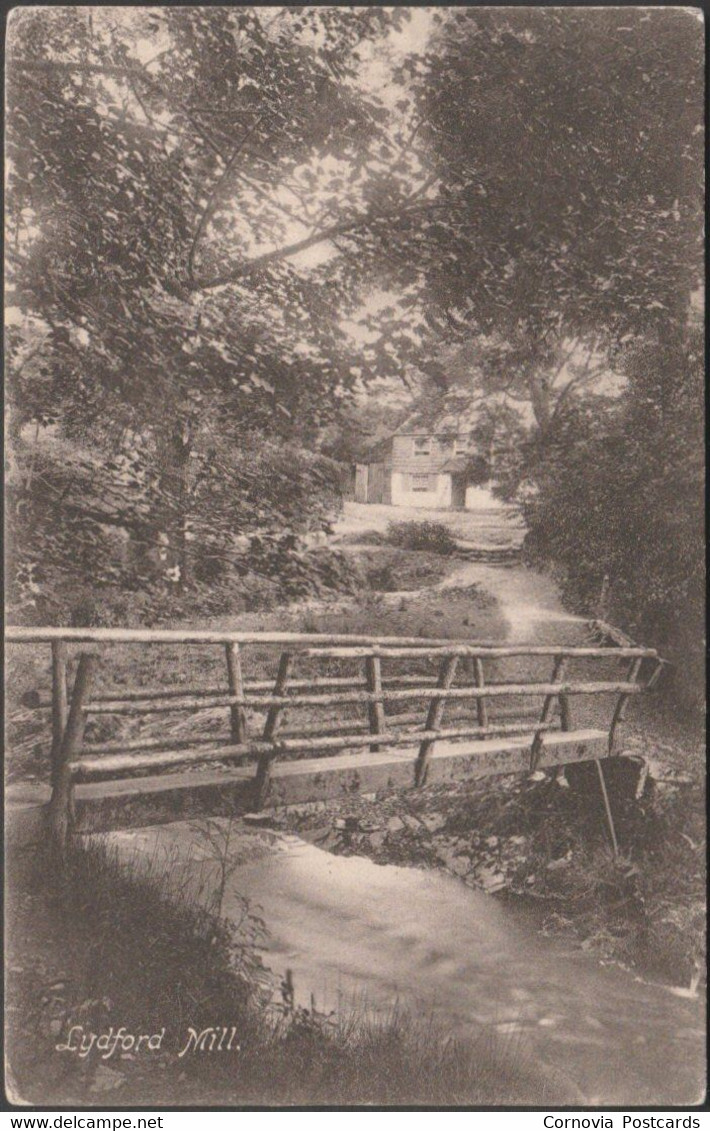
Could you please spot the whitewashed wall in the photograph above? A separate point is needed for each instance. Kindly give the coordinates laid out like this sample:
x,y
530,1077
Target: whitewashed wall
x,y
404,496
481,499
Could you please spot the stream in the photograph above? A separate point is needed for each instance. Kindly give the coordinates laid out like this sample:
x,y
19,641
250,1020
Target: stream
x,y
355,933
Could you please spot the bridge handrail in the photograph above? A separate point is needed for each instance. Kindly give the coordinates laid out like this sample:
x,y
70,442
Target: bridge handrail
x,y
74,760
344,643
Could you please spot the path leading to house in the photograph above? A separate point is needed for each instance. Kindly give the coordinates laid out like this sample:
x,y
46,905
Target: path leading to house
x,y
494,526
528,601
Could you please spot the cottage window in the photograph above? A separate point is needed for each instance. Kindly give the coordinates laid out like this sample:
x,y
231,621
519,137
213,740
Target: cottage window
x,y
461,445
422,446
421,482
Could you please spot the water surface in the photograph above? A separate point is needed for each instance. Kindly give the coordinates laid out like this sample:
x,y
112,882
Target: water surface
x,y
351,931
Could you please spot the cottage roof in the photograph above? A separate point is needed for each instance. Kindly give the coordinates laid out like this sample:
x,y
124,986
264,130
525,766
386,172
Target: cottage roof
x,y
457,420
449,421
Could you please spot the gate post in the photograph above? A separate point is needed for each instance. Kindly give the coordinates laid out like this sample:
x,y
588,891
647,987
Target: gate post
x,y
434,717
481,706
607,810
271,729
376,710
558,673
236,687
60,706
620,710
61,806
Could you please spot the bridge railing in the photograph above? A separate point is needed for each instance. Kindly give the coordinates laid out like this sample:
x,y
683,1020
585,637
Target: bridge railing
x,y
477,726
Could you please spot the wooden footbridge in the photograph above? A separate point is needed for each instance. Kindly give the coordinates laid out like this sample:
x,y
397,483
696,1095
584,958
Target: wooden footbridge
x,y
314,717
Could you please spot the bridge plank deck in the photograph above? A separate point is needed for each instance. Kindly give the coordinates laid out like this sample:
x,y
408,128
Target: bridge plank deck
x,y
136,802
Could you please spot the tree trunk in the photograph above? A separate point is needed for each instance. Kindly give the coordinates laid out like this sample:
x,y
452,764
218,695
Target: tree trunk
x,y
177,450
183,443
540,400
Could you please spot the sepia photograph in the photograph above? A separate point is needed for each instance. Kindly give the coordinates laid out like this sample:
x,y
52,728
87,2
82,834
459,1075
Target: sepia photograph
x,y
354,558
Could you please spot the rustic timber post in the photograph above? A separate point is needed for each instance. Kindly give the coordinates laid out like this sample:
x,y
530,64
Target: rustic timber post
x,y
619,712
620,709
376,710
607,810
603,599
274,719
60,705
565,712
481,705
236,687
558,673
655,674
61,806
434,717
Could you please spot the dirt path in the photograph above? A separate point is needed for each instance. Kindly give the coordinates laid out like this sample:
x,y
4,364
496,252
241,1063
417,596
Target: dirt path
x,y
500,526
528,601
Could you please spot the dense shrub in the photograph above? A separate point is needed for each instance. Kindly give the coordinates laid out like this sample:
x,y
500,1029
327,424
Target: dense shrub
x,y
620,495
299,572
433,536
94,542
274,572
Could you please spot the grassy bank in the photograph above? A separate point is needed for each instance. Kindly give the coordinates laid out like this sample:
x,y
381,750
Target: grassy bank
x,y
107,946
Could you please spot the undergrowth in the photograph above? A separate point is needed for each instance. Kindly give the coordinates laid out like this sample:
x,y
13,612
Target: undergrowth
x,y
645,908
433,536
